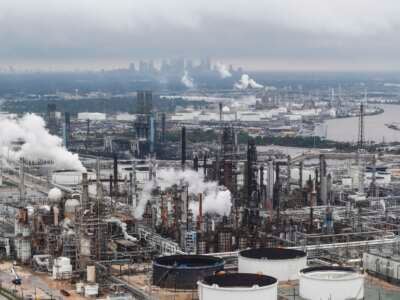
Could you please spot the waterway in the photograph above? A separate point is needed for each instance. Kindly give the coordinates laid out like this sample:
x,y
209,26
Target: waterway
x,y
346,130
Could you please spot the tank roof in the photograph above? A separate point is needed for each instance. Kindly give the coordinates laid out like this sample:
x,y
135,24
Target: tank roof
x,y
239,280
327,269
272,253
188,261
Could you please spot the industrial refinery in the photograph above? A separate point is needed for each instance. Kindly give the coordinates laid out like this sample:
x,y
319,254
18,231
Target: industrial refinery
x,y
199,150
155,205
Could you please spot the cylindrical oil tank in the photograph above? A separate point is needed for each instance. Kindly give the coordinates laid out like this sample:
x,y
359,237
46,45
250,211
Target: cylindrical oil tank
x,y
183,271
238,286
283,264
330,282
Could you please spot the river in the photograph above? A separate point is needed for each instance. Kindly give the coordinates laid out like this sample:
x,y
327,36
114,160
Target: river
x,y
346,130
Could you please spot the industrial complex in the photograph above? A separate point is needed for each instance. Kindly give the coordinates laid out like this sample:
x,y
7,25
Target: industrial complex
x,y
188,204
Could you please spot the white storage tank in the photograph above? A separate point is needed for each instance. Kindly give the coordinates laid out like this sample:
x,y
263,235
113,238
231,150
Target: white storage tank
x,y
383,265
238,286
331,283
283,264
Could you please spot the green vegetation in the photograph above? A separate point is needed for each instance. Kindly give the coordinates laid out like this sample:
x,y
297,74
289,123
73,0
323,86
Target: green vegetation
x,y
297,141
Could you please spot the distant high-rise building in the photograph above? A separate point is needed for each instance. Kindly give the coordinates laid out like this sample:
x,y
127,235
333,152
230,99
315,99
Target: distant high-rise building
x,y
132,67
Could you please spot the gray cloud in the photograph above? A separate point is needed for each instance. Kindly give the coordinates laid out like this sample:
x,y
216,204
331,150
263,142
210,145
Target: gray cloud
x,y
342,30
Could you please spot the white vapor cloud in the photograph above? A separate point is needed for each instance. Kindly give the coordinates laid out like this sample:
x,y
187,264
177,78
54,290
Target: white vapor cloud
x,y
215,200
187,80
223,70
246,82
38,142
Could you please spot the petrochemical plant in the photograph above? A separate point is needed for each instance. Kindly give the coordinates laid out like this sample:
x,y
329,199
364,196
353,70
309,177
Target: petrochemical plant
x,y
135,207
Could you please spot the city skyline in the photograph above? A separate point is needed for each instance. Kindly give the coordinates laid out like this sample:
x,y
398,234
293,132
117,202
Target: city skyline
x,y
269,35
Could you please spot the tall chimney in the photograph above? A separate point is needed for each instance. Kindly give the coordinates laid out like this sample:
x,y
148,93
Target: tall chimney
x,y
183,145
85,191
200,217
163,127
196,163
220,111
115,168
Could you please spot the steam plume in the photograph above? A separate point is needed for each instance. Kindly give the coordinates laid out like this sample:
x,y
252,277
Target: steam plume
x,y
246,82
223,70
38,142
187,80
215,200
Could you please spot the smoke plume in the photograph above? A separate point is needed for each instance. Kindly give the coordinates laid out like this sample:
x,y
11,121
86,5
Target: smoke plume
x,y
246,82
223,70
38,142
187,80
216,200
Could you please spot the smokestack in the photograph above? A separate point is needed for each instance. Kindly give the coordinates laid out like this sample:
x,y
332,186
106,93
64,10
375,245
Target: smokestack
x,y
196,163
301,165
262,190
85,191
163,127
205,164
111,185
67,129
115,167
323,183
87,133
220,111
200,218
152,133
270,182
51,118
289,173
183,145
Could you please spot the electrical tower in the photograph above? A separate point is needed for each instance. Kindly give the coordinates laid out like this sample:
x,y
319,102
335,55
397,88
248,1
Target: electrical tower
x,y
360,147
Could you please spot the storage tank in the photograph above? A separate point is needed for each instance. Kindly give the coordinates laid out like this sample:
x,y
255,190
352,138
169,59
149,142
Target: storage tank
x,y
283,264
183,271
328,282
238,286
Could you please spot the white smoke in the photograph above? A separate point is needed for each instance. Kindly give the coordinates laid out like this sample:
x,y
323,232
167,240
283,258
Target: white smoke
x,y
223,70
38,142
187,80
246,82
216,200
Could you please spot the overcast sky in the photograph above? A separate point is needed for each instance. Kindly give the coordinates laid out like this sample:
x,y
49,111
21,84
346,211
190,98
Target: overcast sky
x,y
261,34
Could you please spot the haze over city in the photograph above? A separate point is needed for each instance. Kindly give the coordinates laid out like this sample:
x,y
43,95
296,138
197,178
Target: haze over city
x,y
261,35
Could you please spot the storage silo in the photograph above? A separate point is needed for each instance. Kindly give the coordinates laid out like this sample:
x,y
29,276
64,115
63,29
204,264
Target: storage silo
x,y
283,264
331,282
238,286
183,271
